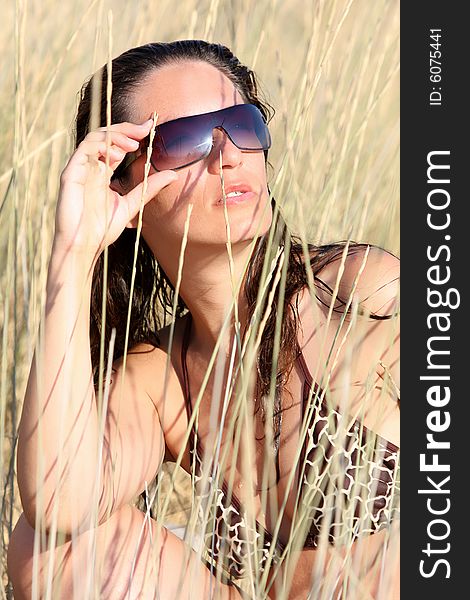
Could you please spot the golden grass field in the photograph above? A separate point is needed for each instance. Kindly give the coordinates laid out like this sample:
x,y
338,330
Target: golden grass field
x,y
329,68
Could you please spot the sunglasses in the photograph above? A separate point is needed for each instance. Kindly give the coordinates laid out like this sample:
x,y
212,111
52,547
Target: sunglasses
x,y
187,140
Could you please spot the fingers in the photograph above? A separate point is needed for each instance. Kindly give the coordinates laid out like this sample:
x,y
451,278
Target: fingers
x,y
121,138
126,135
117,141
97,149
133,130
95,141
116,138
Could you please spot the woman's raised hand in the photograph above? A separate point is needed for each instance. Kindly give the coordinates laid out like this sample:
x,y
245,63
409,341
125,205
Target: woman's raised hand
x,y
90,215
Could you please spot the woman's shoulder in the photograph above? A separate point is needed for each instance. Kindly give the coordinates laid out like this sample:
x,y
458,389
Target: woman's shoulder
x,y
158,365
365,273
364,362
157,347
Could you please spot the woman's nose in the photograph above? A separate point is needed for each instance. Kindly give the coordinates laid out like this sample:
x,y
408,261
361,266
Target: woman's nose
x,y
221,143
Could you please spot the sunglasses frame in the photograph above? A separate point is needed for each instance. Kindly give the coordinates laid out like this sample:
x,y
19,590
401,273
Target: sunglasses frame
x,y
133,156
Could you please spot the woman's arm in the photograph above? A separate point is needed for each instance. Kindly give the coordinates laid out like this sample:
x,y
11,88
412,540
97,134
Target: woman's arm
x,y
61,476
58,444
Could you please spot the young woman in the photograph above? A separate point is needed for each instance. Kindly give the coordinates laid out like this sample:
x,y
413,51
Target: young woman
x,y
211,124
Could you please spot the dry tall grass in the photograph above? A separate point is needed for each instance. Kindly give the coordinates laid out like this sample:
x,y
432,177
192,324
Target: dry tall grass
x,y
330,68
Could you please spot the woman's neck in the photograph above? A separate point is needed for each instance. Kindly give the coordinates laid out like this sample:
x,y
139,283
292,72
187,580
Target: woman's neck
x,y
208,285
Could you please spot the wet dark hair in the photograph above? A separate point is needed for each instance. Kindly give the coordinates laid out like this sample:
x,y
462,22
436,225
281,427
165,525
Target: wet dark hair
x,y
151,282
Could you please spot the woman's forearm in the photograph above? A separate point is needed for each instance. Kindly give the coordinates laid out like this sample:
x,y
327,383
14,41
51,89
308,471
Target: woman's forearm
x,y
58,430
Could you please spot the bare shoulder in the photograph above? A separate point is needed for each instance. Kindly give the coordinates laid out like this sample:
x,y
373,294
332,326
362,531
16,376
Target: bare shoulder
x,y
156,367
139,375
358,359
143,360
153,365
369,273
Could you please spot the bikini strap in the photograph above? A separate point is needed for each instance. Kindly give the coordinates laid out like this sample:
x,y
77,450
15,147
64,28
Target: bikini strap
x,y
303,365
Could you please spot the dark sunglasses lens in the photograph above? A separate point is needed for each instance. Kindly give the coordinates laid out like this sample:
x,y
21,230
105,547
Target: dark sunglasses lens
x,y
177,143
246,127
184,141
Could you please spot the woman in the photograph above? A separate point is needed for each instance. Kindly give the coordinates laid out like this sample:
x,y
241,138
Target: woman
x,y
213,127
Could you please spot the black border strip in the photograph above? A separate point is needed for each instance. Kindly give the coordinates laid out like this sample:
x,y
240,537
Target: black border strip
x,y
437,128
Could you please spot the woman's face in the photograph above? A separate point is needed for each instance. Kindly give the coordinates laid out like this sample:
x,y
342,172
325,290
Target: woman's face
x,y
182,90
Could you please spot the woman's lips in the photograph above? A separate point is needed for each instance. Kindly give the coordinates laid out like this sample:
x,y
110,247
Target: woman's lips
x,y
238,199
